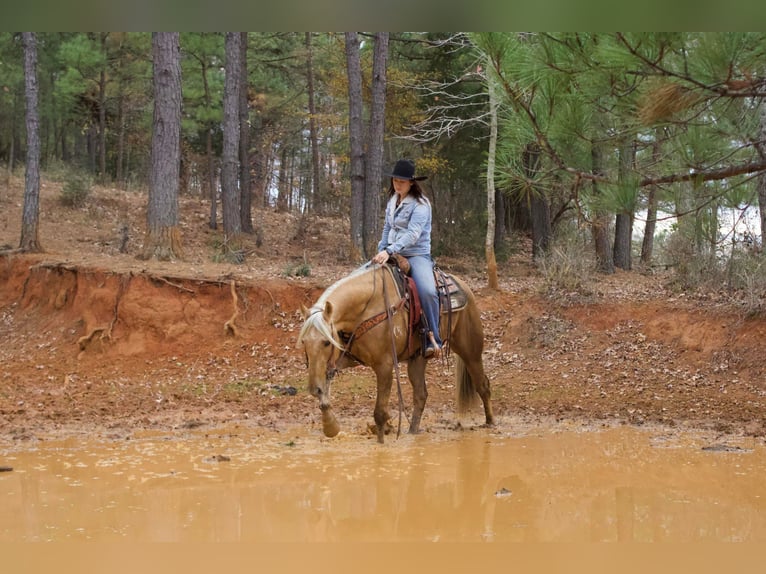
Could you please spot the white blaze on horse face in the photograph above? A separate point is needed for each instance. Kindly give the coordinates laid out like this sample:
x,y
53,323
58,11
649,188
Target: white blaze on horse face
x,y
318,352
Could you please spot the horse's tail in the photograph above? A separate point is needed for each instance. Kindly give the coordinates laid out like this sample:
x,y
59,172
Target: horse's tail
x,y
466,392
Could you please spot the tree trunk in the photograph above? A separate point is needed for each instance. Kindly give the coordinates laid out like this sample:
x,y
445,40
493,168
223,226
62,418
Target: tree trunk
x,y
501,229
246,195
102,112
489,240
92,146
232,223
212,222
163,235
282,184
119,172
538,205
354,70
762,177
540,215
623,227
647,245
316,172
374,156
259,167
31,212
210,157
600,221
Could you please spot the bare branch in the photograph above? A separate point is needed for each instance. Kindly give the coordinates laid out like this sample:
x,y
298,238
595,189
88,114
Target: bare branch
x,y
710,175
452,109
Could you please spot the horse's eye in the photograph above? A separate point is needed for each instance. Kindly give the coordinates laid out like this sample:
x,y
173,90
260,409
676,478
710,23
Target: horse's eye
x,y
326,343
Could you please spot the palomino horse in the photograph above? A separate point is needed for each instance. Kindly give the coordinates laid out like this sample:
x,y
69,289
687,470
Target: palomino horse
x,y
361,319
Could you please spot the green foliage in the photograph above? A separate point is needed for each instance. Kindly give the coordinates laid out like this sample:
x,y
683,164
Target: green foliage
x,y
203,80
568,94
76,188
227,251
297,270
580,97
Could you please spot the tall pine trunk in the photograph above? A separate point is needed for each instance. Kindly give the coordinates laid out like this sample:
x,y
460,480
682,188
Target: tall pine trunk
x,y
374,156
102,112
489,240
647,245
762,177
354,71
230,196
538,206
600,220
31,212
246,194
163,235
315,201
623,226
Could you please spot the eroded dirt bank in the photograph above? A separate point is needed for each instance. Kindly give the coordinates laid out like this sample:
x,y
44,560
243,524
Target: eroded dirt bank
x,y
96,350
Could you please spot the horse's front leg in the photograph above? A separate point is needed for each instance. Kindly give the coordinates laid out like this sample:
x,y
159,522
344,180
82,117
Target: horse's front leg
x,y
416,371
381,416
330,426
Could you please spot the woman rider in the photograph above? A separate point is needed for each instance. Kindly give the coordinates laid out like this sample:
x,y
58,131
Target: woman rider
x,y
407,231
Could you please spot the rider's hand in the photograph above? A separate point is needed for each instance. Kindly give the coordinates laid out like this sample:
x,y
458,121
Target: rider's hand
x,y
381,257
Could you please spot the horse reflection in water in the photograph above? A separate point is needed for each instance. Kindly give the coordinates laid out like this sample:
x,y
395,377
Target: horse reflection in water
x,y
362,319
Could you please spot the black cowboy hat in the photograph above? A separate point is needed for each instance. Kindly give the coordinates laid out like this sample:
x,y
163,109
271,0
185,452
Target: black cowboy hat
x,y
405,169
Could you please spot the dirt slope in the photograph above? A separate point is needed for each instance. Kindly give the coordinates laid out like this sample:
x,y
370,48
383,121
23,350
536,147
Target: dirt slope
x,y
96,341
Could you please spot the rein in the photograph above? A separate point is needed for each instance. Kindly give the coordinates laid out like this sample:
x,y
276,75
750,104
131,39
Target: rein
x,y
363,327
390,316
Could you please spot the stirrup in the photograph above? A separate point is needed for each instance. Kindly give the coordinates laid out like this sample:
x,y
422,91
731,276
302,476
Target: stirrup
x,y
432,349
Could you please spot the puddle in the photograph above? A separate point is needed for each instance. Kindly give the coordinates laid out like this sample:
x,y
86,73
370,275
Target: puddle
x,y
620,484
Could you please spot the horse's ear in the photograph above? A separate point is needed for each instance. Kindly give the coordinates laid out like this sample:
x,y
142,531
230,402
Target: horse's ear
x,y
328,309
304,312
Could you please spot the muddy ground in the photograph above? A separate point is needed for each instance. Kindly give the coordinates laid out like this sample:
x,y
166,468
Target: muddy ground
x,y
96,342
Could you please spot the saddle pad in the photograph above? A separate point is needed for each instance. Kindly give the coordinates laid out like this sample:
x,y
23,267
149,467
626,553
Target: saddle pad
x,y
449,292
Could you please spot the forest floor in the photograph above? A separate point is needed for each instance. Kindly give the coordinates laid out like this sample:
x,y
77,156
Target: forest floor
x,y
99,343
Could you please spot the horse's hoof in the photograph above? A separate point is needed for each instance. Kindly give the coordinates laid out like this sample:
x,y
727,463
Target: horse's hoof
x,y
330,425
372,428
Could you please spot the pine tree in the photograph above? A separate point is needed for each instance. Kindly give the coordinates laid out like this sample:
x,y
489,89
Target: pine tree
x,y
163,235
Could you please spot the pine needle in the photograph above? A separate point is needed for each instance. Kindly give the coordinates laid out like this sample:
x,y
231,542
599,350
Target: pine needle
x,y
664,100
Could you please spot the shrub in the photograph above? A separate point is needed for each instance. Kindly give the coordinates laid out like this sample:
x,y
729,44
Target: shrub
x,y
76,188
567,268
748,275
298,270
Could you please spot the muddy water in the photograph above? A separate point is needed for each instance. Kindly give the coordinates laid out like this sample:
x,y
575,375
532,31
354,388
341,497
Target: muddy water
x,y
565,485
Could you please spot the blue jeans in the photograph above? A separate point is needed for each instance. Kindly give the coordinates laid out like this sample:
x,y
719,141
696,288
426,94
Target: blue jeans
x,y
422,271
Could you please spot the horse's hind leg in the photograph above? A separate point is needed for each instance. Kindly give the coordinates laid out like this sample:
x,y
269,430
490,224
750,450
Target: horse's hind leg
x,y
480,383
416,371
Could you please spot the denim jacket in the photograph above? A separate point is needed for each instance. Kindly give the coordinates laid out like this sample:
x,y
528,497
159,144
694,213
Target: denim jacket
x,y
407,229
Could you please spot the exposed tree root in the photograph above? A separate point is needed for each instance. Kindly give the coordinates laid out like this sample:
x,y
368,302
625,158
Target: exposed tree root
x,y
83,341
176,285
229,327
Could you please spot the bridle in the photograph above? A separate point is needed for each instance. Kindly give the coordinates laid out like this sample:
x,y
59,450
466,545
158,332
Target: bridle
x,y
346,340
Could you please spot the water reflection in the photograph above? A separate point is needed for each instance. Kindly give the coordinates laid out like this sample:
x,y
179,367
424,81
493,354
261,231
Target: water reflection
x,y
614,485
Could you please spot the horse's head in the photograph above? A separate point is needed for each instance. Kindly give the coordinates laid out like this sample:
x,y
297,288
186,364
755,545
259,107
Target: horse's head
x,y
322,351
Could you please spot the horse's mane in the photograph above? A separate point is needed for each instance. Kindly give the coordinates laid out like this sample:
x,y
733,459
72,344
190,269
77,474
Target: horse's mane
x,y
316,318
